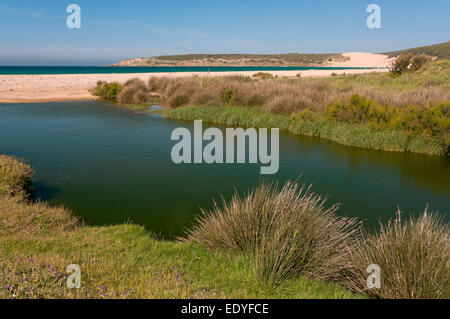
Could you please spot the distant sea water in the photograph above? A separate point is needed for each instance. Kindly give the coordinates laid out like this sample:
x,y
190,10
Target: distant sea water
x,y
153,69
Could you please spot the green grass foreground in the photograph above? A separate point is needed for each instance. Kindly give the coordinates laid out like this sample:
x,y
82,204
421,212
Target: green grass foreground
x,y
343,133
38,242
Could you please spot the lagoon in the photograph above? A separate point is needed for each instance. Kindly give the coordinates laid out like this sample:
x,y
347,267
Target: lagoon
x,y
110,165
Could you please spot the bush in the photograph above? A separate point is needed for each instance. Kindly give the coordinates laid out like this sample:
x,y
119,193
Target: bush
x,y
108,91
288,231
179,100
227,96
134,92
418,61
414,257
15,177
408,62
402,63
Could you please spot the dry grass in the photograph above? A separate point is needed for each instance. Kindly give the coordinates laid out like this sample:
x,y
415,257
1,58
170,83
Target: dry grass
x,y
134,92
288,232
290,96
15,177
414,257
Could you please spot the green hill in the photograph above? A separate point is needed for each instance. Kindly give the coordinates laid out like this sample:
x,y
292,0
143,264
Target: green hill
x,y
441,50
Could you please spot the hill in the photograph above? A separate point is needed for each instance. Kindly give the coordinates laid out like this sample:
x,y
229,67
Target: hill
x,y
441,50
289,59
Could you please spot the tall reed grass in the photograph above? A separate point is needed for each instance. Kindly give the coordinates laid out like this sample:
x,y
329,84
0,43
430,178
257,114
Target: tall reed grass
x,y
291,231
414,257
287,232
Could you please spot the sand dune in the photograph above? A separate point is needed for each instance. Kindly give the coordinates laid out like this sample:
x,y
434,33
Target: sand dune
x,y
363,59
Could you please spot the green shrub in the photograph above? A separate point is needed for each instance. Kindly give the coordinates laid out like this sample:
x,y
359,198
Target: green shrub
x,y
413,255
431,122
287,232
108,91
356,111
227,96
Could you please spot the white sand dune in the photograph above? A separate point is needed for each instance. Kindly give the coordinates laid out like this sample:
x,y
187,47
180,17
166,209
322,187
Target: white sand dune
x,y
363,59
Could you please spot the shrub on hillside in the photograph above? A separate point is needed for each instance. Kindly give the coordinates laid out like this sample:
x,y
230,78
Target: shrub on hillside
x,y
401,64
418,61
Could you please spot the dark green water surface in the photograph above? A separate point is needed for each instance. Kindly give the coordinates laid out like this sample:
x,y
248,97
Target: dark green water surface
x,y
111,165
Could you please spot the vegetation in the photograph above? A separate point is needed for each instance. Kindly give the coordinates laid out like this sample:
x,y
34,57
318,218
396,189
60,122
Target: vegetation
x,y
304,123
409,62
38,242
441,50
108,91
290,232
414,257
15,177
289,59
287,232
405,112
288,237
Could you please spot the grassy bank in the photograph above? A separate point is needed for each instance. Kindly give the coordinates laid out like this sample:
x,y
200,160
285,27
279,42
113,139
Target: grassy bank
x,y
403,111
38,242
343,133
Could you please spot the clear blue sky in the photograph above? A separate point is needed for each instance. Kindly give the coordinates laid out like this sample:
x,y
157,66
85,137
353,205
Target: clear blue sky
x,y
34,32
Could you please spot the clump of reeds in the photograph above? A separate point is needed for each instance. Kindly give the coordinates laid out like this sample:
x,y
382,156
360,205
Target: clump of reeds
x,y
413,256
134,92
287,232
15,177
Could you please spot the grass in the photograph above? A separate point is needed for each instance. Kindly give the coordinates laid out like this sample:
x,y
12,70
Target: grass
x,y
38,242
288,232
395,112
405,112
15,177
440,50
413,255
347,134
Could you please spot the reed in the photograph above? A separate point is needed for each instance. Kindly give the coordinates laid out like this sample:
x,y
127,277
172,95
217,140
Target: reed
x,y
287,232
414,257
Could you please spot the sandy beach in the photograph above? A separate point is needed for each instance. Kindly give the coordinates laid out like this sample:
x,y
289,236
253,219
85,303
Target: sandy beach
x,y
65,87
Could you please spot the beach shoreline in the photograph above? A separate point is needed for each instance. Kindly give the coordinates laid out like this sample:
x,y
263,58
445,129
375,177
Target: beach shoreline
x,y
66,87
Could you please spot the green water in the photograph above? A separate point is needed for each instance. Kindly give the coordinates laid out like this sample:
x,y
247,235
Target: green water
x,y
111,165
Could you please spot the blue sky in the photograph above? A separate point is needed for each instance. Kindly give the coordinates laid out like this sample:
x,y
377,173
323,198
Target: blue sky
x,y
34,32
